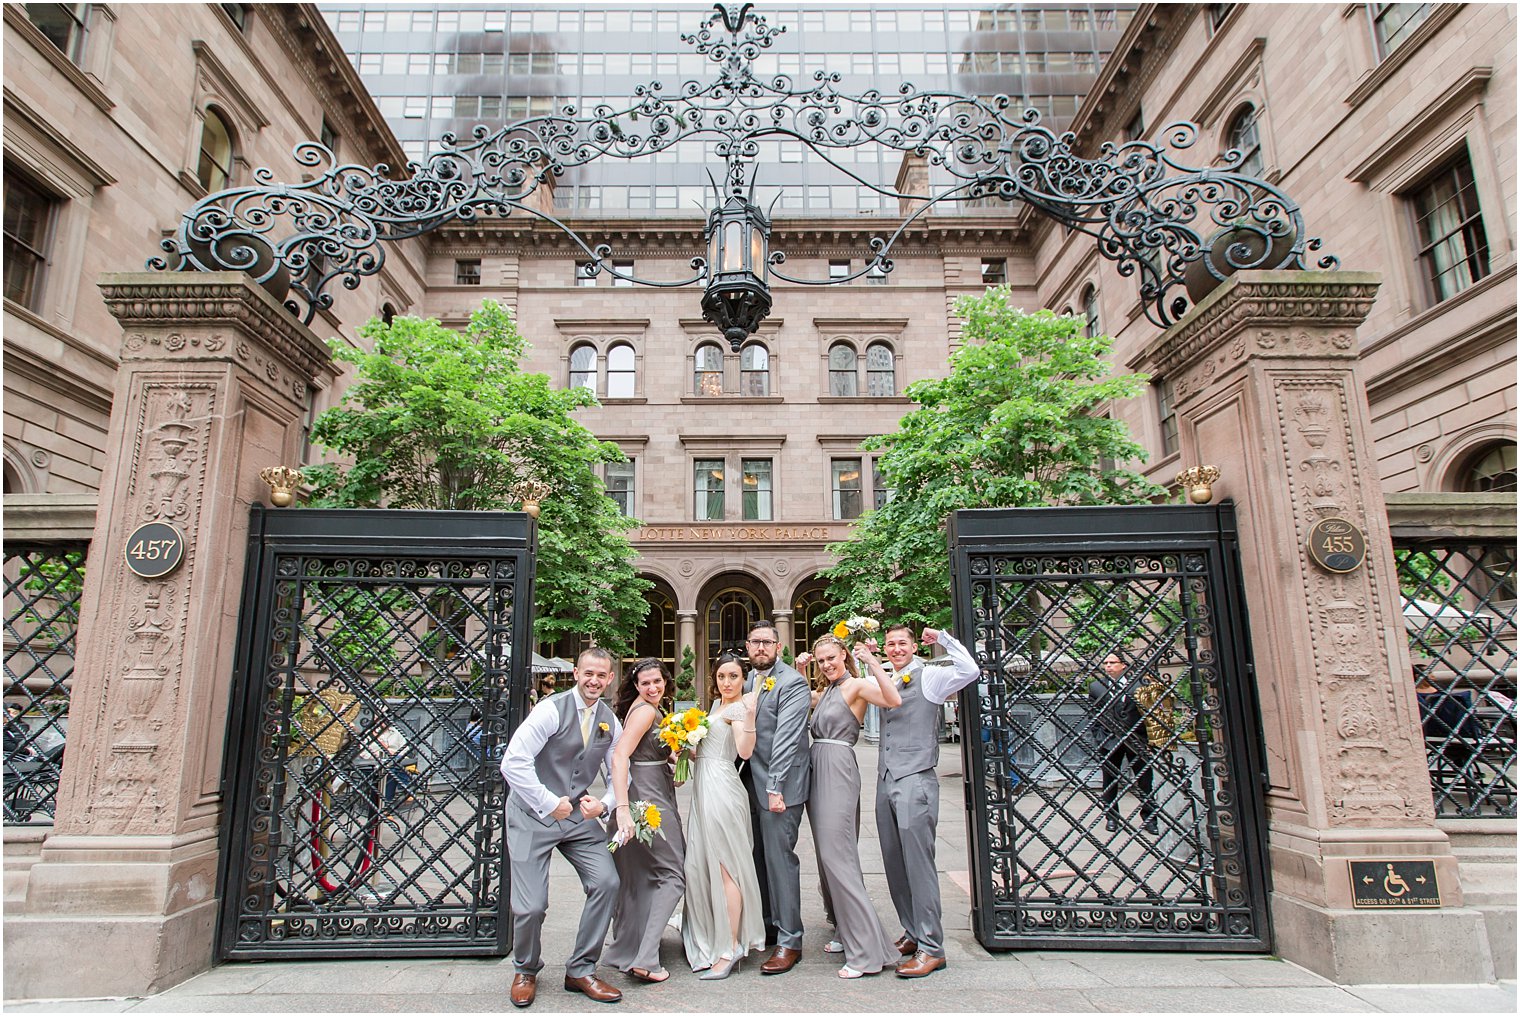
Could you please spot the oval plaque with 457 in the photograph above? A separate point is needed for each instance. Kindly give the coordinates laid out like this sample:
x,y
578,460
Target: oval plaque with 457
x,y
155,549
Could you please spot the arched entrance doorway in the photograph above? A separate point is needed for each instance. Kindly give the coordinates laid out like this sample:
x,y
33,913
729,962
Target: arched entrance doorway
x,y
809,605
728,605
657,638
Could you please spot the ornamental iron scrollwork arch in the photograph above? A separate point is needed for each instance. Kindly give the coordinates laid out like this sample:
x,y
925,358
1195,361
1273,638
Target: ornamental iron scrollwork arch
x,y
1150,213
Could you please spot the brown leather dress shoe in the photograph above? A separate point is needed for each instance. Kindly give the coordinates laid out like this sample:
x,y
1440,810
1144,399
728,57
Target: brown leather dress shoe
x,y
780,961
524,990
594,988
906,946
921,965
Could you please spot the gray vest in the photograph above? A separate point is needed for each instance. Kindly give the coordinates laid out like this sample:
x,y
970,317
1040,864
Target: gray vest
x,y
909,733
564,766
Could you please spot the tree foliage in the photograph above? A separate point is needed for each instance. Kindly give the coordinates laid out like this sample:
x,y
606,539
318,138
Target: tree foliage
x,y
437,418
1016,424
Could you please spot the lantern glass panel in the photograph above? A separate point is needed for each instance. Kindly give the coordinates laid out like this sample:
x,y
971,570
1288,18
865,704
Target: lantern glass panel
x,y
733,246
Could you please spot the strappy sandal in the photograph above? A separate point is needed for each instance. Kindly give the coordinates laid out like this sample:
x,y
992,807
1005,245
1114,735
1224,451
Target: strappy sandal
x,y
648,976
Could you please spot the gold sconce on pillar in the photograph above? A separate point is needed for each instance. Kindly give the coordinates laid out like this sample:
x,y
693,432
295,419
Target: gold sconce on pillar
x,y
530,492
283,482
1199,482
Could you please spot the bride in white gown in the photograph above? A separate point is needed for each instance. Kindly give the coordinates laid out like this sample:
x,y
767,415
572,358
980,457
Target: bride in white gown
x,y
723,919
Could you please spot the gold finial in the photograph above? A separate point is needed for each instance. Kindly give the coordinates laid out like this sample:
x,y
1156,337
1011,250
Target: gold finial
x,y
530,492
283,482
1199,482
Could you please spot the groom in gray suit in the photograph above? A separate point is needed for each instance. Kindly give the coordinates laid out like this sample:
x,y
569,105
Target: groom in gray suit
x,y
780,765
549,765
907,789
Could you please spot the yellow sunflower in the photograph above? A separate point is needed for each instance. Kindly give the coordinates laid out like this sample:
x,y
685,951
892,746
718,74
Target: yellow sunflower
x,y
652,817
841,630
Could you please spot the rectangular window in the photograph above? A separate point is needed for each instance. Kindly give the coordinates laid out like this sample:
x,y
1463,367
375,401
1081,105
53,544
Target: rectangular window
x,y
620,485
626,267
1393,24
757,490
994,271
1167,415
28,217
583,274
847,488
467,273
881,493
1453,244
839,269
65,26
1135,129
708,487
876,276
328,136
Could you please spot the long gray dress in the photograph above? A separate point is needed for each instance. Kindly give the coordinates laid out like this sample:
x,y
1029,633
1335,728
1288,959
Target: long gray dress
x,y
652,876
720,839
834,813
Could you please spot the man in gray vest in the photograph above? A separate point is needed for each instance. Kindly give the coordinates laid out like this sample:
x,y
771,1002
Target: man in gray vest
x,y
780,765
549,766
907,789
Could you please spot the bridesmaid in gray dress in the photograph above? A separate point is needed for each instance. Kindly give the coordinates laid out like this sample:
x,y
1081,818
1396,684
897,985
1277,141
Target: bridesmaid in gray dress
x,y
834,801
651,876
724,916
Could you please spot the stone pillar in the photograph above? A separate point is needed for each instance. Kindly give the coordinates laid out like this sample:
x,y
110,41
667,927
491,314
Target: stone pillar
x,y
783,619
212,387
1267,383
686,637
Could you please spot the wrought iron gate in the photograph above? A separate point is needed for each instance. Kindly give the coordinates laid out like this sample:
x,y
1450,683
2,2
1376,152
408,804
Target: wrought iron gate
x,y
383,657
1113,745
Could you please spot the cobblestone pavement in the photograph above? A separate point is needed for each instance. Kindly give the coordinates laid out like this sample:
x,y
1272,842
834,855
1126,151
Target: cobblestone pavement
x,y
974,981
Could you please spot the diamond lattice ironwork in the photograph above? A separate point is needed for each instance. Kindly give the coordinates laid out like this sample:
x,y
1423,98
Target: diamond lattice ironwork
x,y
377,693
1459,614
43,583
1110,777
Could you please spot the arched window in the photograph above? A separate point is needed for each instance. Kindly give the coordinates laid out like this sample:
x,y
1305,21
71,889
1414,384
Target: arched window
x,y
1090,311
708,379
215,168
657,638
1490,470
808,611
843,379
1244,137
583,367
729,616
620,371
387,313
881,371
755,370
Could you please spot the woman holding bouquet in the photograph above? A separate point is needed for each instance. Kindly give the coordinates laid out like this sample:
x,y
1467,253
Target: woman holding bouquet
x,y
834,800
651,875
723,920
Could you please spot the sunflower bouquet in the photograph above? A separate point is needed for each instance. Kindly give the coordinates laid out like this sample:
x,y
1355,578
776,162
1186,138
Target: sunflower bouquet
x,y
857,629
646,822
681,732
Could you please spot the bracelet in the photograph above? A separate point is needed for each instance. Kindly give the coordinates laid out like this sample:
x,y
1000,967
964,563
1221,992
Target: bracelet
x,y
622,806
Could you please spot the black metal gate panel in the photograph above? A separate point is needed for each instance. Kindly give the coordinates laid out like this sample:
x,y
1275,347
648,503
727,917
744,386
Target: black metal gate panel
x,y
1112,748
383,660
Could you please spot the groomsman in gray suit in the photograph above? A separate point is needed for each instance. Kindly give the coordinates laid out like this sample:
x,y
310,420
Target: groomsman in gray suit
x,y
907,789
549,766
780,766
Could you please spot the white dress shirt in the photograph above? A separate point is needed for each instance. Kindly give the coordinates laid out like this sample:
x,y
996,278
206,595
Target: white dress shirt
x,y
942,679
529,739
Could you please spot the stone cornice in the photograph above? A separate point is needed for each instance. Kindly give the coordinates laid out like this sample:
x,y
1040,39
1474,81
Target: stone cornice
x,y
200,300
18,107
88,85
1465,90
1230,81
860,324
47,517
226,84
1375,78
1266,300
1416,515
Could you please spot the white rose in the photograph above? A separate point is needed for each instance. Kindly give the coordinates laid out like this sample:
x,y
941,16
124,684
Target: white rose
x,y
694,737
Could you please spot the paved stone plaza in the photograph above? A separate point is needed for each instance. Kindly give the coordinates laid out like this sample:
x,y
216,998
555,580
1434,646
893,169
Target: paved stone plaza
x,y
975,981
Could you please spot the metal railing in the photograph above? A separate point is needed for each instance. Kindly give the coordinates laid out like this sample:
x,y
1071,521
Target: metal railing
x,y
1457,584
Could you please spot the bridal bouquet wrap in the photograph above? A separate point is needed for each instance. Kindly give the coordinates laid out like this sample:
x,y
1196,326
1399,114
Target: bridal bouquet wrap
x,y
646,822
857,629
681,732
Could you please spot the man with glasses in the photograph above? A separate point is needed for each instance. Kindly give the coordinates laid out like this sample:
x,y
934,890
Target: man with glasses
x,y
779,778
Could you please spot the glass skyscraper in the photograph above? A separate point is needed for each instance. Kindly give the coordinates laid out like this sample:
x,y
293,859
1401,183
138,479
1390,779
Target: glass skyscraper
x,y
445,68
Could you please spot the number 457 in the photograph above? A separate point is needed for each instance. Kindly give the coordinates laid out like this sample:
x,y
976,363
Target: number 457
x,y
151,550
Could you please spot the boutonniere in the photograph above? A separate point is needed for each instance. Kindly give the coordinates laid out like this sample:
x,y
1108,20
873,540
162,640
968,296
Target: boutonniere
x,y
603,727
770,682
907,679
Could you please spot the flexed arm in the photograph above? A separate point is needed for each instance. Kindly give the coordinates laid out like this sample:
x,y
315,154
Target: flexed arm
x,y
940,682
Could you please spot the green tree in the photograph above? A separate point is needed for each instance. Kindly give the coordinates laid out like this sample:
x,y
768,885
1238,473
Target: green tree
x,y
1016,424
437,418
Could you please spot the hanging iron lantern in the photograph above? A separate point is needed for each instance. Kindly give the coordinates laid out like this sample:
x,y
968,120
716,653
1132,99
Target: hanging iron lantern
x,y
738,246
